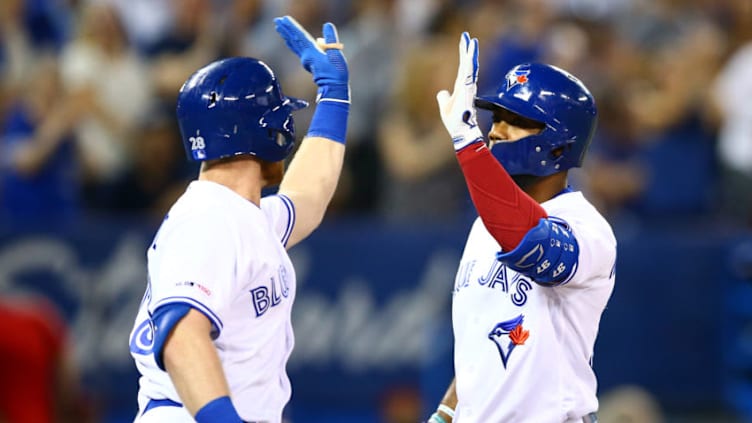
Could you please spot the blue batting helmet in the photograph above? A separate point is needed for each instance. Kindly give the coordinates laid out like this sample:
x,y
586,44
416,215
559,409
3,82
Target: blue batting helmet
x,y
558,100
236,106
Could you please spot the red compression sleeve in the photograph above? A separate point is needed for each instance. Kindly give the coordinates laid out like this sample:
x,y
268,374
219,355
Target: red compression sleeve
x,y
507,211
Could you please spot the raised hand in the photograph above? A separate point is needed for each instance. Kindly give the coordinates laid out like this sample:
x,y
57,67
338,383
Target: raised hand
x,y
323,58
457,110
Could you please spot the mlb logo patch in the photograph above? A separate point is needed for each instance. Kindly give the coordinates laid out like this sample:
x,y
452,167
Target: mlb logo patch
x,y
517,76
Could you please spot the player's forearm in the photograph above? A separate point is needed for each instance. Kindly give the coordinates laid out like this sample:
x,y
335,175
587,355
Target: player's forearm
x,y
445,411
310,182
507,212
192,362
312,178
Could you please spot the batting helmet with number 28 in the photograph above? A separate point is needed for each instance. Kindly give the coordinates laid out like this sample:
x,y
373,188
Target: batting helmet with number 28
x,y
236,106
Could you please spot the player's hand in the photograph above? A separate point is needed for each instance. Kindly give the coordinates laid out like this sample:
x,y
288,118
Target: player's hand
x,y
457,110
323,58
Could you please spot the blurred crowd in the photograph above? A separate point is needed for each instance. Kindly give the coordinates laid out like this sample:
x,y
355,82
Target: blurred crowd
x,y
88,89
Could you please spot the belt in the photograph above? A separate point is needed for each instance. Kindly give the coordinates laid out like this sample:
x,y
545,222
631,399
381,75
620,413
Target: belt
x,y
154,403
590,418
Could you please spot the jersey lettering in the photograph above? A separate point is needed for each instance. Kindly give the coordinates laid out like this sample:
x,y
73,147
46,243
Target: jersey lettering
x,y
260,297
497,278
497,275
500,279
142,339
284,281
463,275
264,297
519,297
276,297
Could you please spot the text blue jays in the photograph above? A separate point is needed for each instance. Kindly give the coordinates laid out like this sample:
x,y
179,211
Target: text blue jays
x,y
265,297
497,277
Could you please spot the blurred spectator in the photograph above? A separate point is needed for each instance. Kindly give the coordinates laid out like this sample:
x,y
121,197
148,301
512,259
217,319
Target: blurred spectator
x,y
420,181
508,36
40,380
731,91
27,27
192,41
414,17
39,173
145,21
735,16
373,48
615,174
49,23
401,404
639,162
669,115
262,41
245,19
650,23
16,49
519,40
160,172
629,404
105,76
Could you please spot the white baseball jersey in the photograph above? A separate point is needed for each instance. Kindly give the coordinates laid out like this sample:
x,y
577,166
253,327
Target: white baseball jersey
x,y
226,257
523,351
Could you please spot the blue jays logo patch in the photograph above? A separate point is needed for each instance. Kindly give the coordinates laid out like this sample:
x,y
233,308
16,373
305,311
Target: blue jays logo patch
x,y
517,76
507,335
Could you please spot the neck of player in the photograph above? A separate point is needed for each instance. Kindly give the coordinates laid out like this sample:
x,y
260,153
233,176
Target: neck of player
x,y
242,174
544,188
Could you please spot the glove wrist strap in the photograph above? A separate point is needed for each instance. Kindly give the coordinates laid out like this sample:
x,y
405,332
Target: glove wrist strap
x,y
330,120
335,93
471,136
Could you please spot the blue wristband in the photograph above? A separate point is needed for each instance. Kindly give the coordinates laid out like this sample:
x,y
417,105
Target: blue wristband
x,y
219,410
330,121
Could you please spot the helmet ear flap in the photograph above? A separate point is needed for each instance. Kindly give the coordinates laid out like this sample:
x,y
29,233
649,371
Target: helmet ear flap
x,y
279,125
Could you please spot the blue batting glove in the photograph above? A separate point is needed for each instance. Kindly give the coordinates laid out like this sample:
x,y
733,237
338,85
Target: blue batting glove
x,y
323,58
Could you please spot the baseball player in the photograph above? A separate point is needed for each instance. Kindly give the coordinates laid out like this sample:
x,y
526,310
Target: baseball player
x,y
213,334
538,266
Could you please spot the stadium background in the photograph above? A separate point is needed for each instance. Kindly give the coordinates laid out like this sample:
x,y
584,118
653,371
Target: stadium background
x,y
90,159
